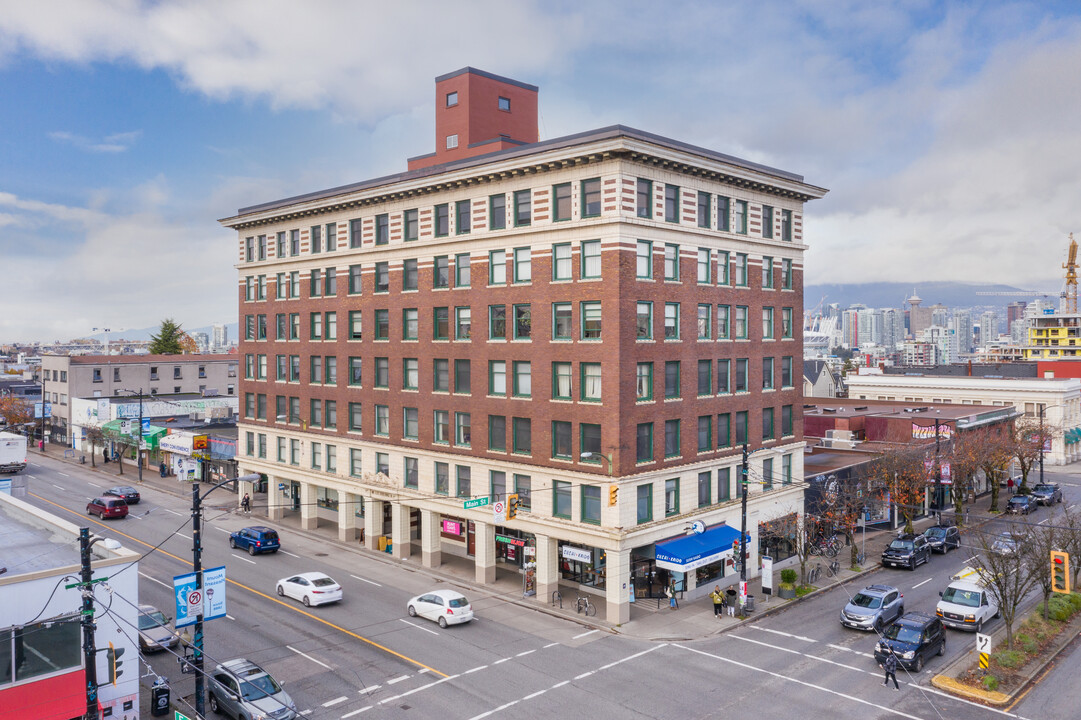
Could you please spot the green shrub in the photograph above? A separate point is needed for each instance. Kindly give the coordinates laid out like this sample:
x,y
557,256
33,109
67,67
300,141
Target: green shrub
x,y
788,575
803,590
1025,642
1059,608
990,683
1009,659
1075,600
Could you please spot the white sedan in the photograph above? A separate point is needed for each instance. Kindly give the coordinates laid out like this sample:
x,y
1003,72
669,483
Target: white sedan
x,y
310,588
446,607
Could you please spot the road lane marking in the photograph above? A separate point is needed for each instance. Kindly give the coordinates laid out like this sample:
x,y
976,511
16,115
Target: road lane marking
x,y
291,554
417,689
174,512
854,652
229,617
500,661
549,645
584,634
539,692
64,474
356,712
241,557
789,635
583,675
227,532
418,627
370,582
482,667
922,583
335,701
153,579
93,484
397,679
526,652
369,689
788,678
309,657
186,537
249,589
59,487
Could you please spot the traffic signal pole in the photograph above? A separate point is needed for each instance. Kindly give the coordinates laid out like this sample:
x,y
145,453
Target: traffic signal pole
x,y
743,524
89,650
197,564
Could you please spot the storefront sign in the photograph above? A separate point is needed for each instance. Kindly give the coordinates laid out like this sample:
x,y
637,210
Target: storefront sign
x,y
767,575
927,432
529,580
177,443
452,527
573,553
517,542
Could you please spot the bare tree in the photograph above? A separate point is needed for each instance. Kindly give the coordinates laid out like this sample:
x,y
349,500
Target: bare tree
x,y
995,453
964,460
95,437
1069,522
799,530
842,510
903,474
1006,573
1028,437
1040,540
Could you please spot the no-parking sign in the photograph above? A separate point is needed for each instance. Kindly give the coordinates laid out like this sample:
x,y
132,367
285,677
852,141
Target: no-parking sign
x,y
499,511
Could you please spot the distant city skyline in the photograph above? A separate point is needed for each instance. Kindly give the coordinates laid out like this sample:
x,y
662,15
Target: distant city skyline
x,y
131,128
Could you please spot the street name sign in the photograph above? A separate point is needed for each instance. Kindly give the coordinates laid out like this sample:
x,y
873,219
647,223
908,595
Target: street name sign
x,y
475,503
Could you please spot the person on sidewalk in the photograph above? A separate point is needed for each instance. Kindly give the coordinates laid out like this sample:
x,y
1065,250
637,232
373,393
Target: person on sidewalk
x,y
245,504
162,469
718,601
891,671
670,591
730,596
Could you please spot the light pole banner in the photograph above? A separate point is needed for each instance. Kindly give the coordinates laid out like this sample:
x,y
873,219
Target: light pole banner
x,y
214,593
183,589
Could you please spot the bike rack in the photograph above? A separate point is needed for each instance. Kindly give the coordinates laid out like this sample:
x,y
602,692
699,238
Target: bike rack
x,y
556,596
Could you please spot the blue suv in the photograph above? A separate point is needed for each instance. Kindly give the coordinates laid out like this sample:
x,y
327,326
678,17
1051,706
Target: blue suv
x,y
255,539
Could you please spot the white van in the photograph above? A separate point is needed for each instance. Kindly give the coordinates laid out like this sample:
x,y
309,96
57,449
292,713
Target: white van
x,y
965,603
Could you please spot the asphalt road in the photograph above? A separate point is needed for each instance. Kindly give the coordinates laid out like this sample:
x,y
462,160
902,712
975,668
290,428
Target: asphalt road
x,y
364,657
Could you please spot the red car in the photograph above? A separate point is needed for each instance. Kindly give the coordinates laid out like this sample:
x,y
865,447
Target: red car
x,y
107,507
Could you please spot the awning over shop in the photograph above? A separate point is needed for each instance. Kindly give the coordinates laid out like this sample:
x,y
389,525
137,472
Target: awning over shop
x,y
693,551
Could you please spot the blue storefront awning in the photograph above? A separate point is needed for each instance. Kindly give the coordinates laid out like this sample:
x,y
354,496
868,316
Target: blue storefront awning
x,y
693,551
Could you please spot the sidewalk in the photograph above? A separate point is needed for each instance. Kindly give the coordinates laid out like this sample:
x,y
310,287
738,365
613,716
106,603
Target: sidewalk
x,y
650,618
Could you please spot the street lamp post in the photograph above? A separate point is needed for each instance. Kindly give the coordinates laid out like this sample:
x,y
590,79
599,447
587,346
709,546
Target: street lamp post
x,y
744,468
86,579
139,432
589,455
197,564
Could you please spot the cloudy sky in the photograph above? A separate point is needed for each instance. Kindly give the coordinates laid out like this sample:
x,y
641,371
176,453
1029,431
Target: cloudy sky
x,y
948,134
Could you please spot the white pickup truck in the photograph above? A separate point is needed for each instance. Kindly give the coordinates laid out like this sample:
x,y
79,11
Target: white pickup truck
x,y
12,452
966,604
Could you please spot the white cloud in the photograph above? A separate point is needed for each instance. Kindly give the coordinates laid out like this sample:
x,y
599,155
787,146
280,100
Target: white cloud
x,y
115,143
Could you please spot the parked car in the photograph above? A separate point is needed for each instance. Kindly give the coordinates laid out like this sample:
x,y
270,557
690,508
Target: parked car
x,y
943,538
130,494
1047,493
1020,505
446,607
873,608
255,539
154,630
312,588
107,507
907,551
241,689
913,639
1006,544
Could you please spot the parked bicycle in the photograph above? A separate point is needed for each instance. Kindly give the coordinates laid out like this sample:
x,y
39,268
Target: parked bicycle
x,y
826,546
833,568
813,573
583,605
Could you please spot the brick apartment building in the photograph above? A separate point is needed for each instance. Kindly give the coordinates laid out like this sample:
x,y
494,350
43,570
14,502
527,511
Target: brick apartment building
x,y
594,322
100,376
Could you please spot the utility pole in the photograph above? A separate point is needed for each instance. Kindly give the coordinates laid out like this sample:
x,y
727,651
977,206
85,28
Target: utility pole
x,y
89,651
743,526
938,475
1042,408
197,563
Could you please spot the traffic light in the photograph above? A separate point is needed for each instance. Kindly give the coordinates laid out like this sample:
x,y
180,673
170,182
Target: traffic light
x,y
613,495
512,506
1060,572
113,655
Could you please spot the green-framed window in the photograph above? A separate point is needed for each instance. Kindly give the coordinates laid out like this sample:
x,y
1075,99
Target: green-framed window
x,y
786,274
497,485
705,321
497,322
705,266
315,326
497,212
561,202
409,274
767,272
705,488
671,261
724,484
461,270
591,504
590,382
724,322
786,371
442,478
356,421
523,207
741,270
767,323
591,320
382,324
724,376
497,433
724,430
741,427
356,466
441,323
410,374
786,225
562,320
643,261
704,219
522,378
441,427
464,475
561,499
739,217
644,503
523,323
671,497
441,272
522,436
643,320
591,197
355,284
767,221
767,373
382,420
723,205
497,378
382,277
671,321
705,433
724,259
644,198
561,439
672,379
591,259
644,381
705,377
767,423
671,438
786,323
382,231
561,261
742,311
742,383
497,267
411,225
463,323
440,375
671,203
356,325
644,442
463,220
410,323
461,377
523,265
561,381
589,441
786,421
410,424
463,433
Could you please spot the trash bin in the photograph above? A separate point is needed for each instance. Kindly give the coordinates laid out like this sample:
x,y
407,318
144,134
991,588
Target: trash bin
x,y
159,699
749,606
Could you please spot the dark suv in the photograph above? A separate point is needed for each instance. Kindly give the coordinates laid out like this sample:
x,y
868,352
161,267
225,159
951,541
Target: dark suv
x,y
255,539
907,551
943,538
873,608
913,638
1047,493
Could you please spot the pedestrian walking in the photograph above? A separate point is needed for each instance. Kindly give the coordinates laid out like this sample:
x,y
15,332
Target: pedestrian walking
x,y
670,592
105,454
162,469
245,504
718,601
730,604
1009,485
891,670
